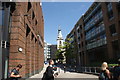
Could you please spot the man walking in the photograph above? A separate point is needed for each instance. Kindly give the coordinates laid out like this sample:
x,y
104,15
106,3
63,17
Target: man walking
x,y
49,73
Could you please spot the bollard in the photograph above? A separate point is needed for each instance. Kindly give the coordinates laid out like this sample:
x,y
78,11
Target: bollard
x,y
59,70
90,69
85,69
95,70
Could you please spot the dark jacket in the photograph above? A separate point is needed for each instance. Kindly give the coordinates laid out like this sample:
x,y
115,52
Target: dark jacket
x,y
116,72
50,73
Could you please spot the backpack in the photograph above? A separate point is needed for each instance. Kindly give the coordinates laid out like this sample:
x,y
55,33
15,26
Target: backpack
x,y
102,76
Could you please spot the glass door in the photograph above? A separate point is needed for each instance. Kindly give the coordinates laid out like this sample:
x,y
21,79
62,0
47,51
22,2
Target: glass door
x,y
0,40
4,39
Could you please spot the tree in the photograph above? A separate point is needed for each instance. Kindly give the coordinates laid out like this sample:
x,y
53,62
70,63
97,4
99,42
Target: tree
x,y
66,51
59,55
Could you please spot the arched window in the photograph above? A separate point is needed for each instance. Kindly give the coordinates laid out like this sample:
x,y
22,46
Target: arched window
x,y
60,43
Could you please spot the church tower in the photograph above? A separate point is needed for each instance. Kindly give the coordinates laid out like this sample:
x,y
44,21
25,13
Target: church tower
x,y
59,39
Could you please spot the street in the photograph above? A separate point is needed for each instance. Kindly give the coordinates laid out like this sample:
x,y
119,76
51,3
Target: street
x,y
67,75
75,75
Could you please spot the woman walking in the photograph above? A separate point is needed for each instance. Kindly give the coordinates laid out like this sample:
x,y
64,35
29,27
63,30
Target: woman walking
x,y
105,73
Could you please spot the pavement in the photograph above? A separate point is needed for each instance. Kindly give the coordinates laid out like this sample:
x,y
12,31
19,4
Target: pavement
x,y
66,76
40,75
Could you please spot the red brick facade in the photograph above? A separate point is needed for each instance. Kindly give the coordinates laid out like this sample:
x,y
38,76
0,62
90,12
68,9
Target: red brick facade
x,y
27,23
95,45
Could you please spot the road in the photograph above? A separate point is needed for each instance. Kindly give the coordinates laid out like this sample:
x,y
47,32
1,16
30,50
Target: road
x,y
67,76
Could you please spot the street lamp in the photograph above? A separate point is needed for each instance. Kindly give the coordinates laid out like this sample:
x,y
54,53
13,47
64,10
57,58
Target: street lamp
x,y
20,49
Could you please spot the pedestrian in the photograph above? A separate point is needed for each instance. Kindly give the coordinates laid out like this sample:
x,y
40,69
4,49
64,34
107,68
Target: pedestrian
x,y
14,74
105,73
116,71
49,73
64,68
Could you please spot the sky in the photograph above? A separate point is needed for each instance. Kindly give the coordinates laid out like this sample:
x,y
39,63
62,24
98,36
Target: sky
x,y
63,14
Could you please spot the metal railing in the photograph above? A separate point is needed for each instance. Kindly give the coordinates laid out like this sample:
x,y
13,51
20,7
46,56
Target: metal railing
x,y
91,70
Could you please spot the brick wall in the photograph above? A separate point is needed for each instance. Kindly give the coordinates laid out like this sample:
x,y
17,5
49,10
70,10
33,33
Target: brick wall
x,y
23,35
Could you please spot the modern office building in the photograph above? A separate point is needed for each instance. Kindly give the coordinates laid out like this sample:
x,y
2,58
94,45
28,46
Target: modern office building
x,y
80,42
48,55
21,37
71,48
98,34
47,51
53,51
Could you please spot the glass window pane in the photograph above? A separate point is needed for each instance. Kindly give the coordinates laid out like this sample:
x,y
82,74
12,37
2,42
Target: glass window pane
x,y
1,17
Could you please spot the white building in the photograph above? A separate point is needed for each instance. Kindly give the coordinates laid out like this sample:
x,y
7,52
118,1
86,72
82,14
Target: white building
x,y
59,39
60,43
46,51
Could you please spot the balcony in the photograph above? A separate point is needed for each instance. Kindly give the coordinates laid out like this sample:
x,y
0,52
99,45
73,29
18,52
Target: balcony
x,y
97,43
94,20
96,8
95,32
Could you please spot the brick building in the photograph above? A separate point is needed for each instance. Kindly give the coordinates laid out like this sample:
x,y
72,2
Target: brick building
x,y
26,37
97,34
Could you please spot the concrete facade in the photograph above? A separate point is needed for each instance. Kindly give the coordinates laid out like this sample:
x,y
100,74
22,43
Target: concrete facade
x,y
47,51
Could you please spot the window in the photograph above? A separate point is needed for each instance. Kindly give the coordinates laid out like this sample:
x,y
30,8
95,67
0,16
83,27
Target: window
x,y
78,30
60,42
109,6
112,30
81,35
79,46
115,46
35,22
110,11
119,6
79,38
80,26
27,30
1,17
33,15
82,44
29,6
32,36
110,15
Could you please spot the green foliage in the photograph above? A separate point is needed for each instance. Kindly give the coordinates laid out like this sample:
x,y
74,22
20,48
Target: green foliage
x,y
59,55
111,65
67,49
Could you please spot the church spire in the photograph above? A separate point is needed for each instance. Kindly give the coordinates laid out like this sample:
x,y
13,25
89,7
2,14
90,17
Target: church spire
x,y
59,33
59,38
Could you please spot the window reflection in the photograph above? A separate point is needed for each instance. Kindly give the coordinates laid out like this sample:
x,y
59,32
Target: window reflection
x,y
1,17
